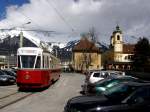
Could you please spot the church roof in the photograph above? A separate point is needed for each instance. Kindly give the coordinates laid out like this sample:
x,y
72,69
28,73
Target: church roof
x,y
85,45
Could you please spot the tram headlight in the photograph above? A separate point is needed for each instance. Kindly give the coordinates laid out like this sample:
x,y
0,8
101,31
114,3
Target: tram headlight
x,y
27,76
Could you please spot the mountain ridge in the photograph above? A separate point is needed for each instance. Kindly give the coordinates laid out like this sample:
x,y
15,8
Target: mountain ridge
x,y
9,43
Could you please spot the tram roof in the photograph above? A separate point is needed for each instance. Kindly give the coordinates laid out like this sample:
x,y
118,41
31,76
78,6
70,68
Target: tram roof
x,y
33,51
29,50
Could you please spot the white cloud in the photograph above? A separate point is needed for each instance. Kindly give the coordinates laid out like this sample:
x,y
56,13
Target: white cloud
x,y
63,15
85,6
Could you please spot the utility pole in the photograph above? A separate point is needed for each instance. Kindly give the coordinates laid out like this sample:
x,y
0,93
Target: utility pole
x,y
21,36
21,39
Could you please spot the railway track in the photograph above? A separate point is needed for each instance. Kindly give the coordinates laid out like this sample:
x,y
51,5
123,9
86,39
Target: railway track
x,y
13,98
8,95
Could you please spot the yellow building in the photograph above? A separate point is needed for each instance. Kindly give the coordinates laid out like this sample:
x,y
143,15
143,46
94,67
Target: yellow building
x,y
119,56
86,56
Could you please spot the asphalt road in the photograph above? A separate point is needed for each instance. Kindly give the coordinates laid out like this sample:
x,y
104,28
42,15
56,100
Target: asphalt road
x,y
52,99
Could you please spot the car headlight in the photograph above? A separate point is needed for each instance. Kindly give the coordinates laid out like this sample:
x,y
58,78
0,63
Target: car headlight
x,y
3,79
98,108
74,110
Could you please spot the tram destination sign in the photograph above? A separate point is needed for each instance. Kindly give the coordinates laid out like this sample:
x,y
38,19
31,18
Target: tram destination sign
x,y
28,51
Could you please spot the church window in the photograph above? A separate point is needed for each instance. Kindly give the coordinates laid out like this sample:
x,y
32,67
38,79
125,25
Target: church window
x,y
118,37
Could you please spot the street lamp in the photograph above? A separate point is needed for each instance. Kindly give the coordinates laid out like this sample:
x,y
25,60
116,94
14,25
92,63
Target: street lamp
x,y
21,36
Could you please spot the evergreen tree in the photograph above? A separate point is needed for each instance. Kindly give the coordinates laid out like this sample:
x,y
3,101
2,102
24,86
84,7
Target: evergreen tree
x,y
142,55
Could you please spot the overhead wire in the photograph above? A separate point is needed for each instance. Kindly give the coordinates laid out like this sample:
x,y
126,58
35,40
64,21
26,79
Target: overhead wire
x,y
56,11
32,21
60,14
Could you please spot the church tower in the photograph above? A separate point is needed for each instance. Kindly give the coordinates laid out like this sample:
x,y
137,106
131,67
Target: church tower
x,y
116,40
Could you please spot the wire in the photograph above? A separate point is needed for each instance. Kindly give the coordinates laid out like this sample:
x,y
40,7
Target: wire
x,y
55,9
60,15
39,30
27,17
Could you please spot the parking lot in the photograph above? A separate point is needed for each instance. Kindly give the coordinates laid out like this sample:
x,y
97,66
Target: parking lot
x,y
52,99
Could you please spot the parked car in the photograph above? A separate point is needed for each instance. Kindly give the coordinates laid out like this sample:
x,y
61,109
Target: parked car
x,y
9,72
99,87
124,97
6,79
91,77
14,69
88,74
98,75
86,87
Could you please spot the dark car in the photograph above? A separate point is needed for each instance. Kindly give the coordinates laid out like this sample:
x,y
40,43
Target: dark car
x,y
124,97
9,72
14,69
87,84
6,79
104,84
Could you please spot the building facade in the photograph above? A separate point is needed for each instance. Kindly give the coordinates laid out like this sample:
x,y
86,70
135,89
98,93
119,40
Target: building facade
x,y
86,56
119,56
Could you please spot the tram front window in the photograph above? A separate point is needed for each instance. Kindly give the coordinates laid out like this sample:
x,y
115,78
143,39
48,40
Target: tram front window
x,y
28,61
38,62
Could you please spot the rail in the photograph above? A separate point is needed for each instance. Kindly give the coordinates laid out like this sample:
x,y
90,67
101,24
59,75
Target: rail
x,y
13,98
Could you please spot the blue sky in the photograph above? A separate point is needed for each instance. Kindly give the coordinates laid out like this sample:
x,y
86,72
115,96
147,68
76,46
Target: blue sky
x,y
5,3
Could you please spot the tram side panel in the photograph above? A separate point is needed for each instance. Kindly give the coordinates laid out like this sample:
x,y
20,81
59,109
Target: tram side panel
x,y
55,69
55,74
33,78
37,78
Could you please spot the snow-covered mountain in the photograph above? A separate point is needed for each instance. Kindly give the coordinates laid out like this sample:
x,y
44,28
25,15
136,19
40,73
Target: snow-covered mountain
x,y
63,50
12,33
35,39
44,39
60,45
9,41
65,53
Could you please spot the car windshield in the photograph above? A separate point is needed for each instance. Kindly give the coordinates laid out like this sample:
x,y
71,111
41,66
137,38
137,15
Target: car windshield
x,y
119,92
112,83
106,82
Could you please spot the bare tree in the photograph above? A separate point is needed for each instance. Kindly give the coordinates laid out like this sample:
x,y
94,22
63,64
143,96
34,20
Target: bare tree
x,y
93,34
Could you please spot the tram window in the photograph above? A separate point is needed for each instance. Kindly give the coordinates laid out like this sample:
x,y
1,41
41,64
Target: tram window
x,y
46,63
19,62
28,61
43,62
38,62
50,62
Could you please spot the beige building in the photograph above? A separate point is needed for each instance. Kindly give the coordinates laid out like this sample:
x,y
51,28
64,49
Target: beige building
x,y
119,56
86,56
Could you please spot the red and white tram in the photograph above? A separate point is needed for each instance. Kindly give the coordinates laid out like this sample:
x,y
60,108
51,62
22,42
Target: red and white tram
x,y
36,68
